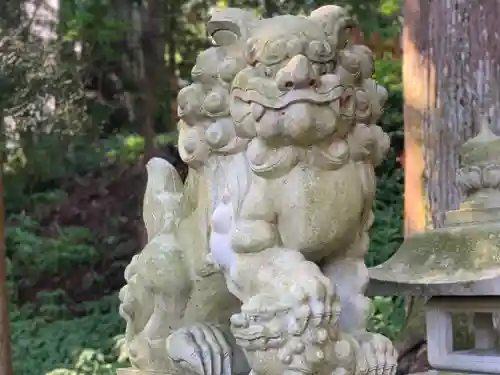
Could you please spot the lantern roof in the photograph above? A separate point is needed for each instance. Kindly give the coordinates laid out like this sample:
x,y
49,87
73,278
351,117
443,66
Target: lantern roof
x,y
463,257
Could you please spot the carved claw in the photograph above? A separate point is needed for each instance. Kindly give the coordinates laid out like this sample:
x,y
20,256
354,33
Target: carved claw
x,y
201,349
376,355
320,295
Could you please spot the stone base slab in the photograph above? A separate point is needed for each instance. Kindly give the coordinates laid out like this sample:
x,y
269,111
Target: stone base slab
x,y
436,372
134,371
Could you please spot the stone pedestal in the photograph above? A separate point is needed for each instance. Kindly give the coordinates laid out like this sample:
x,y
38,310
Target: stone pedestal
x,y
484,357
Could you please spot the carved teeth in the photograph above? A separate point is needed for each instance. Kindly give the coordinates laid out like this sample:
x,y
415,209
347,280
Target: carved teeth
x,y
257,111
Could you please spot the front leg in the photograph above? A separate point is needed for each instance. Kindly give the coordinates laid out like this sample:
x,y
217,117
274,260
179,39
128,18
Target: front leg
x,y
262,264
255,228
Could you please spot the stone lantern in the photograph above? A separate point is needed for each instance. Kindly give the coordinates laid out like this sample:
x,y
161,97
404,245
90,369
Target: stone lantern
x,y
457,266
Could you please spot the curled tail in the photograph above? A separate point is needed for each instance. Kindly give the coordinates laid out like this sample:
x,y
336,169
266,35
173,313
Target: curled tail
x,y
162,198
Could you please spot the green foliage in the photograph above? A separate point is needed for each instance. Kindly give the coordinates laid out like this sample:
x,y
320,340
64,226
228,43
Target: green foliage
x,y
63,337
36,183
388,72
387,231
32,255
128,148
388,317
93,21
91,345
380,16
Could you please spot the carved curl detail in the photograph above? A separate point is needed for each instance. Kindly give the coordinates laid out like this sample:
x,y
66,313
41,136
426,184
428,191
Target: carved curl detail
x,y
286,337
206,126
474,178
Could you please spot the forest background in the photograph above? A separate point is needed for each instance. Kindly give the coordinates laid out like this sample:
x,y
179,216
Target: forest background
x,y
87,94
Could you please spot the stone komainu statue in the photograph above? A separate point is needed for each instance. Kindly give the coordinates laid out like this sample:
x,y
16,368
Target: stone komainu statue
x,y
256,263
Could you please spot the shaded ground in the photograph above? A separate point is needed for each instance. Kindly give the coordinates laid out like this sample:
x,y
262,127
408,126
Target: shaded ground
x,y
108,202
413,357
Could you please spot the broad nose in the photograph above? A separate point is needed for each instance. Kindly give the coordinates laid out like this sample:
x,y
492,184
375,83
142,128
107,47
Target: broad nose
x,y
297,74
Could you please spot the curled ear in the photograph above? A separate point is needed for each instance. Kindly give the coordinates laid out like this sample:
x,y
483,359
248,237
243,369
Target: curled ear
x,y
227,26
336,23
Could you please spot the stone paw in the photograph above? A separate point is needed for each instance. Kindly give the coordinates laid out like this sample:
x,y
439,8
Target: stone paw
x,y
376,355
200,349
319,294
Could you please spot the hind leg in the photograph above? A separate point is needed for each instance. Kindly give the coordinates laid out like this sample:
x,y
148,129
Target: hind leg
x,y
349,274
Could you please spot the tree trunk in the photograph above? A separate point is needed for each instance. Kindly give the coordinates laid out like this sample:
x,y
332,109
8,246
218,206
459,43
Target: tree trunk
x,y
174,9
451,66
143,63
5,350
10,13
154,76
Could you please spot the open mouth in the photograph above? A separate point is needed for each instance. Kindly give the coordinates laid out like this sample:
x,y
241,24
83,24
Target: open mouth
x,y
259,338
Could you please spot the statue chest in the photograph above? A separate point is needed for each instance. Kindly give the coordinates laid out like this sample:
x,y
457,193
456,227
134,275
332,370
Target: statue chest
x,y
319,211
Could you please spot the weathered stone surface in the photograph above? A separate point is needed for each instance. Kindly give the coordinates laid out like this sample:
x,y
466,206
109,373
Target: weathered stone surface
x,y
279,131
